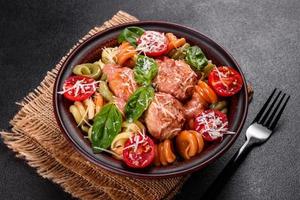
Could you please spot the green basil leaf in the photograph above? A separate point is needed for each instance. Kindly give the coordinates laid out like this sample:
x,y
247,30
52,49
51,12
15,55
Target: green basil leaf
x,y
145,70
196,58
138,103
130,34
107,124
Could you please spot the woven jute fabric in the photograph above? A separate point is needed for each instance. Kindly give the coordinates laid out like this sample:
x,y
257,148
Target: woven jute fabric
x,y
36,137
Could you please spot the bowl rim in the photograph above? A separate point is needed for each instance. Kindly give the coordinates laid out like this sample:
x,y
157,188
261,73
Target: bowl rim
x,y
192,169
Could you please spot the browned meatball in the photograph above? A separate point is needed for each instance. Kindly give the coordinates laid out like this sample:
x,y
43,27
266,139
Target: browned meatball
x,y
175,77
164,117
193,107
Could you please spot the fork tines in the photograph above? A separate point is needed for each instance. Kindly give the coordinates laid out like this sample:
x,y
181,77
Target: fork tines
x,y
270,117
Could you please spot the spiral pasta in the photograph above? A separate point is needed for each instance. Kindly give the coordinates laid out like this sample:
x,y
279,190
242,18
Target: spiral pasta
x,y
128,130
99,102
88,69
100,63
109,54
206,70
136,127
174,42
125,52
189,143
164,153
206,94
86,110
220,105
74,110
179,53
118,143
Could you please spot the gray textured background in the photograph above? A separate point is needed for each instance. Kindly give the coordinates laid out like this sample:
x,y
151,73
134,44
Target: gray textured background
x,y
262,35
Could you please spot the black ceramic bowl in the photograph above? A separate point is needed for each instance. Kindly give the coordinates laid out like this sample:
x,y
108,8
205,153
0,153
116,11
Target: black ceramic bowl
x,y
90,51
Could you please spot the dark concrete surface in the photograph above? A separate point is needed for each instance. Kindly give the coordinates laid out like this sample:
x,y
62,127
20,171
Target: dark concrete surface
x,y
262,35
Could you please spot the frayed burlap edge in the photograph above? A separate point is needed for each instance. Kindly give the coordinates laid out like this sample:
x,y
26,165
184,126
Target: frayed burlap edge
x,y
36,138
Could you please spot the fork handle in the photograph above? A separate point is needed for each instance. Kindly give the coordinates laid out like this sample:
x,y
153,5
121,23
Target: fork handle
x,y
215,188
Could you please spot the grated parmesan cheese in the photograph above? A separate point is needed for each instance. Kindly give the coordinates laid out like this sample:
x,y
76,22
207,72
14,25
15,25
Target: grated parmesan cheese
x,y
221,76
213,125
79,87
152,41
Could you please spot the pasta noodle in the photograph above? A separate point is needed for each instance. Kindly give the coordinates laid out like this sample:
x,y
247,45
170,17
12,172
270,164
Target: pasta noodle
x,y
220,105
164,154
86,110
98,101
85,128
207,69
118,143
206,94
90,107
126,51
136,127
179,53
128,130
109,54
80,107
174,42
90,133
88,69
76,114
100,63
189,143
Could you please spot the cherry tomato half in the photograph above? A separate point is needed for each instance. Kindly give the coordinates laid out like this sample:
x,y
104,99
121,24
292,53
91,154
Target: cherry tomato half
x,y
78,88
153,43
225,81
212,124
140,155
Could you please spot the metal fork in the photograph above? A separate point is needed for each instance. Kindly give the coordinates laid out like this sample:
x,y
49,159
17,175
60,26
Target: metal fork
x,y
258,132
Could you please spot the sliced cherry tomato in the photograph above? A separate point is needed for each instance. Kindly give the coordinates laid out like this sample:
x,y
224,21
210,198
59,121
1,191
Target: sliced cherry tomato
x,y
225,81
139,151
78,88
153,43
212,124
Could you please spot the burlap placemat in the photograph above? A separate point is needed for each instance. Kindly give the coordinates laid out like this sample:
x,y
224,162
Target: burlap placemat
x,y
36,137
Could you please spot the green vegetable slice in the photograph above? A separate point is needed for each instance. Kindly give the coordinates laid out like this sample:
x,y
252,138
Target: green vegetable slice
x,y
196,58
145,70
107,124
130,34
138,103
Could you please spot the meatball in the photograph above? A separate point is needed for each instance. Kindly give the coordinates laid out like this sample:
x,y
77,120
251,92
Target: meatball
x,y
193,107
175,77
121,80
164,117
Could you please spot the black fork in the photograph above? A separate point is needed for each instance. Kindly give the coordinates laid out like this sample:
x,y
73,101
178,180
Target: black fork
x,y
257,133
